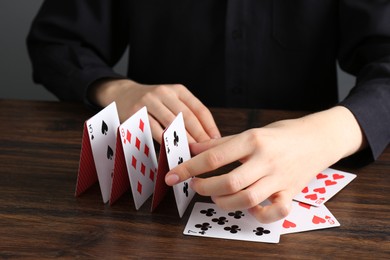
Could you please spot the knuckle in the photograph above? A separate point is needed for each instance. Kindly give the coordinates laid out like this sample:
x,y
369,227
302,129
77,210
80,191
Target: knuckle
x,y
214,160
179,87
283,211
185,174
162,90
234,184
199,187
254,138
251,198
147,97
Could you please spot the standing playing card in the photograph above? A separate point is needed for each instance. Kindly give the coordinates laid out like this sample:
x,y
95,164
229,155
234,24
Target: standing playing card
x,y
324,186
101,140
304,217
160,188
120,179
209,221
140,155
177,151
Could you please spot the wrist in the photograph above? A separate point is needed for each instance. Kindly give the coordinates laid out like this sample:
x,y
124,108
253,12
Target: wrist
x,y
338,131
104,91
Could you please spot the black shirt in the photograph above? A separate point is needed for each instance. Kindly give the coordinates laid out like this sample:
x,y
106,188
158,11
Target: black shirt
x,y
232,53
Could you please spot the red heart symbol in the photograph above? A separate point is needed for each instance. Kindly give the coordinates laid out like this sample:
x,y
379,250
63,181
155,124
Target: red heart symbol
x,y
318,220
304,205
288,224
321,176
305,190
330,182
311,196
321,190
337,176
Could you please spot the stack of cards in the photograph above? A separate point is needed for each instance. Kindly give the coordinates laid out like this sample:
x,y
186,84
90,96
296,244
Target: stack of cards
x,y
123,156
308,213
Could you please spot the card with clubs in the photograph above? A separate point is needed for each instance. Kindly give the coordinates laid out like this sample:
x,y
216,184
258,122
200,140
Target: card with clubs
x,y
178,151
207,220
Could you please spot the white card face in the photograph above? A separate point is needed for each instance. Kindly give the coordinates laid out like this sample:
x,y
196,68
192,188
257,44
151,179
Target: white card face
x,y
177,150
324,186
305,217
102,130
207,220
140,155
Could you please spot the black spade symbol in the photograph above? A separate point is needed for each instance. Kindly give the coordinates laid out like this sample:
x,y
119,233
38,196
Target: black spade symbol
x,y
110,152
104,128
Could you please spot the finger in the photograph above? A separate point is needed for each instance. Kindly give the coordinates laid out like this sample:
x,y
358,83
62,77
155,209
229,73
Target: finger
x,y
161,113
156,129
280,208
230,183
251,196
201,112
209,160
193,125
197,148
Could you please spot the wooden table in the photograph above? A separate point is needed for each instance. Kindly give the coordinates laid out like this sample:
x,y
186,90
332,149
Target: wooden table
x,y
41,218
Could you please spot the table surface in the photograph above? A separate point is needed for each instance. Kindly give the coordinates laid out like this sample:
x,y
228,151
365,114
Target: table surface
x,y
41,218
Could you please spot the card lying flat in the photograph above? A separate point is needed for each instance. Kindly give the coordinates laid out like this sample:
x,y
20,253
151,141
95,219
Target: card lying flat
x,y
324,186
207,220
304,217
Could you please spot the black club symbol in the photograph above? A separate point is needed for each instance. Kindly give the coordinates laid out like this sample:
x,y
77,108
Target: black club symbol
x,y
203,227
220,220
209,212
180,160
237,214
175,138
185,189
260,231
233,229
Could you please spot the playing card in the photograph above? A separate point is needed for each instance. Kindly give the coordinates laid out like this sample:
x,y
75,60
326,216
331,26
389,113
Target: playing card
x,y
208,220
305,217
324,186
140,155
177,151
160,187
120,179
102,130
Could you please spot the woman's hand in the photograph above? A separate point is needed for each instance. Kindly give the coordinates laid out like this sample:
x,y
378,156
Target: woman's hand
x,y
163,103
278,161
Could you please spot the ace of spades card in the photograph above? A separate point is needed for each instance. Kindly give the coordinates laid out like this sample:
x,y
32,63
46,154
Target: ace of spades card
x,y
174,150
97,152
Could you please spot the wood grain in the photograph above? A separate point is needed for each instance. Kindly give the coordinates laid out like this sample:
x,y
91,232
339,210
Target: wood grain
x,y
41,218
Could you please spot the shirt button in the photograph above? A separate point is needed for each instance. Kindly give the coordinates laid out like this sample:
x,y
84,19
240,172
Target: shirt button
x,y
236,34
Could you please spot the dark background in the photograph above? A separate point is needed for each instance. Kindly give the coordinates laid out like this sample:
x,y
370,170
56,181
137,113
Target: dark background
x,y
15,68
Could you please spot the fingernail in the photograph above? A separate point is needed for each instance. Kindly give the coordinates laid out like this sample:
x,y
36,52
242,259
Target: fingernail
x,y
171,179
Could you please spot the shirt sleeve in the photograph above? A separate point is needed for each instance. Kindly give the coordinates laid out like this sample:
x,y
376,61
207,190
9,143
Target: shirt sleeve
x,y
365,52
73,43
